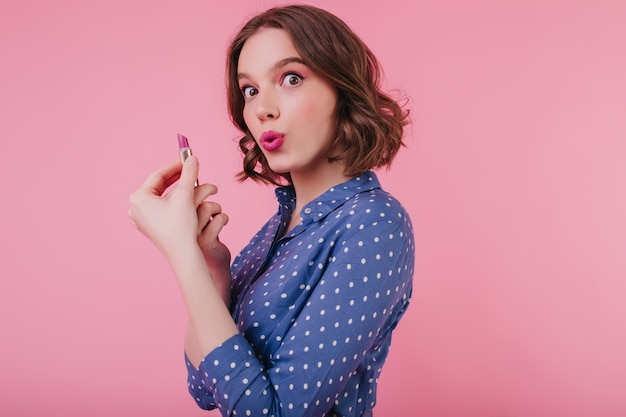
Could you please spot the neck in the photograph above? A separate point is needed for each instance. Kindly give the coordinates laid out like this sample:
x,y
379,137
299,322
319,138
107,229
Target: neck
x,y
309,186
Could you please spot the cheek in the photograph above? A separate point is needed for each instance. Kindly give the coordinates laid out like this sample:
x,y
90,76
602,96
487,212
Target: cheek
x,y
313,111
326,104
247,117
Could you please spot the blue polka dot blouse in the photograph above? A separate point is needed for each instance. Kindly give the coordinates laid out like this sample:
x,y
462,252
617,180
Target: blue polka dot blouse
x,y
315,307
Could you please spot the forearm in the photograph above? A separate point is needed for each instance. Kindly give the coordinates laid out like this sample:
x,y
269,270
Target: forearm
x,y
222,279
192,347
209,318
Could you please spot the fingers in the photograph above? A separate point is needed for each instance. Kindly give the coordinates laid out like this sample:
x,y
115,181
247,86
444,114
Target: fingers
x,y
162,178
155,185
189,174
207,210
202,192
185,193
209,236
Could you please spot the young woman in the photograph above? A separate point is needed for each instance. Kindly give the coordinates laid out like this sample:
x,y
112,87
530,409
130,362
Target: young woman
x,y
300,324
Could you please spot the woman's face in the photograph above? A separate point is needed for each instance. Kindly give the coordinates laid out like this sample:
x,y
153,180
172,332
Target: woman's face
x,y
289,110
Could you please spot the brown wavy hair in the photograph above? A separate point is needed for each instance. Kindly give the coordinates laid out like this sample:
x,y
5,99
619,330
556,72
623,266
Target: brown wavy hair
x,y
370,124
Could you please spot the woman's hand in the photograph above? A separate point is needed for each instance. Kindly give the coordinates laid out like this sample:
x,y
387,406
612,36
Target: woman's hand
x,y
211,220
176,221
170,220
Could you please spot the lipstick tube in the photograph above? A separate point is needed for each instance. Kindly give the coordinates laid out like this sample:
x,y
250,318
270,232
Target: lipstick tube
x,y
184,151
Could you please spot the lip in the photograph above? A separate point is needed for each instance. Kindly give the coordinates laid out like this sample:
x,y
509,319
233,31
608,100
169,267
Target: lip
x,y
272,140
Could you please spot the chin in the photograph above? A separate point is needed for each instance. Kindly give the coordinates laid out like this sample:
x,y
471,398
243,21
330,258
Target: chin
x,y
280,168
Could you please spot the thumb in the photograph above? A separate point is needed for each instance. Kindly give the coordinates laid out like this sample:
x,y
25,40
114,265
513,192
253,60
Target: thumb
x,y
189,174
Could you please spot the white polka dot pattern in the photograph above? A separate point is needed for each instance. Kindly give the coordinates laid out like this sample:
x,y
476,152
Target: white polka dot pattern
x,y
315,308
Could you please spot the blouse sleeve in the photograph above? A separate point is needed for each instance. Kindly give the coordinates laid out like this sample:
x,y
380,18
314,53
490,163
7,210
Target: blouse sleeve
x,y
350,313
197,388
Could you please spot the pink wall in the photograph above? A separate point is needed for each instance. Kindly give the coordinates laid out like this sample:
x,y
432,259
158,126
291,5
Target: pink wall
x,y
514,177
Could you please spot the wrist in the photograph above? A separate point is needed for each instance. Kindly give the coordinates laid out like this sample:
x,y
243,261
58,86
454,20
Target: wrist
x,y
183,254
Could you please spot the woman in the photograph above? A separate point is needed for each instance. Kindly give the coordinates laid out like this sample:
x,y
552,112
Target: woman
x,y
300,324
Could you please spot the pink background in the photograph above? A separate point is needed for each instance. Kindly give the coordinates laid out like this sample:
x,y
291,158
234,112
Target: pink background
x,y
514,176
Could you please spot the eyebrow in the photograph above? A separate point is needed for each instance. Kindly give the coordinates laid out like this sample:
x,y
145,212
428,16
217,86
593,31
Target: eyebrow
x,y
276,66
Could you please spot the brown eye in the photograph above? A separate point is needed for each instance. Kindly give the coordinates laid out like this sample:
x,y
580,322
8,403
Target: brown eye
x,y
292,80
248,92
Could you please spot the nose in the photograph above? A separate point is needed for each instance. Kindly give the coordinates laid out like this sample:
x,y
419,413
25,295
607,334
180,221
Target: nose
x,y
267,105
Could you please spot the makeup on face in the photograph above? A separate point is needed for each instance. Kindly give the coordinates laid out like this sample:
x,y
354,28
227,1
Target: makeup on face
x,y
184,151
289,109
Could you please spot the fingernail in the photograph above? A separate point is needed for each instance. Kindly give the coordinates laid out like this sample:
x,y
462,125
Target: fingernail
x,y
192,160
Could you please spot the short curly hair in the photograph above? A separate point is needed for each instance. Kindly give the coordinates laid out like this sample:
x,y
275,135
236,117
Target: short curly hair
x,y
370,124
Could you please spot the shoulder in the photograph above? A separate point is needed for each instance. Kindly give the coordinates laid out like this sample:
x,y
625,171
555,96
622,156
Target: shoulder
x,y
365,197
373,223
377,206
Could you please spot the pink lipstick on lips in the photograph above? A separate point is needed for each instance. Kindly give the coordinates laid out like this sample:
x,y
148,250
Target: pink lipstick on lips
x,y
184,150
271,140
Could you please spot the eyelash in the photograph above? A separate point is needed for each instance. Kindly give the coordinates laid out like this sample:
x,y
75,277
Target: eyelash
x,y
246,88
